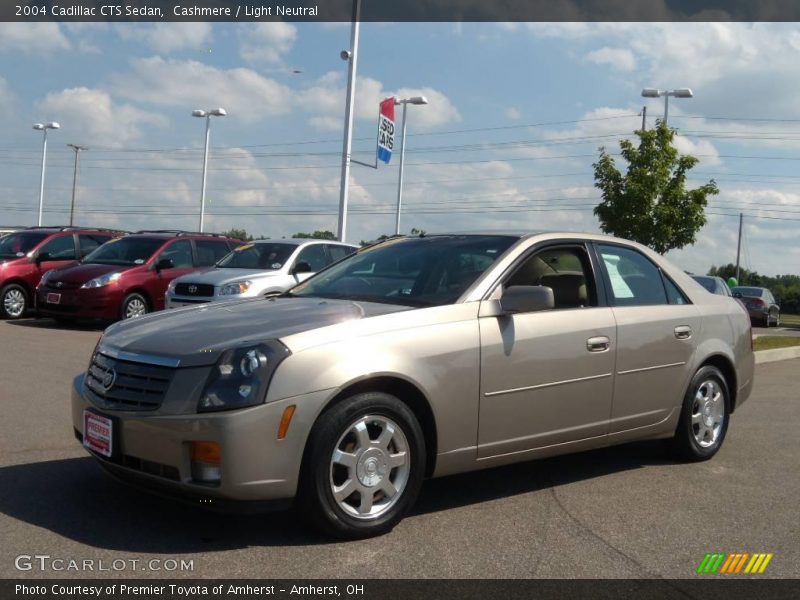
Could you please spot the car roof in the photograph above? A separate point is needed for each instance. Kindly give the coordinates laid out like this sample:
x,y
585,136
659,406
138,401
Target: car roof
x,y
301,242
170,234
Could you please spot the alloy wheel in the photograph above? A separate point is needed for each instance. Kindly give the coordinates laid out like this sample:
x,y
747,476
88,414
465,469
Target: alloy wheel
x,y
135,308
14,303
708,413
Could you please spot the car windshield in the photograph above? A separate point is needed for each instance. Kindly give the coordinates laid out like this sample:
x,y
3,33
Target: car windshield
x,y
707,282
269,257
126,251
751,292
17,245
425,271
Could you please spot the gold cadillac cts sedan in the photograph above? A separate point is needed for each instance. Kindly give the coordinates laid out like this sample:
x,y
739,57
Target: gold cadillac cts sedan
x,y
416,357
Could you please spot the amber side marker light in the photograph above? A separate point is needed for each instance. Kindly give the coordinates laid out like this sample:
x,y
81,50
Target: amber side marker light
x,y
286,420
206,460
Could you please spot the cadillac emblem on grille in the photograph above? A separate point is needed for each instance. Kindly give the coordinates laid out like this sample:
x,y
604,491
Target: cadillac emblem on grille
x,y
192,289
109,378
59,284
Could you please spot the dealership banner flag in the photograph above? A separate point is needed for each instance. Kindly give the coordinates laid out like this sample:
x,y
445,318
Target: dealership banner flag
x,y
386,130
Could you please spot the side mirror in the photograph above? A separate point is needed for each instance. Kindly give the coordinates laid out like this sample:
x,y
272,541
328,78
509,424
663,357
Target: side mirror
x,y
527,298
165,263
301,267
41,257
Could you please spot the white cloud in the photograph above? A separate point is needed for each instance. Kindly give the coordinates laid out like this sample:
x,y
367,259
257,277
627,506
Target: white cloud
x,y
166,38
91,117
189,84
6,97
621,59
266,42
513,113
33,38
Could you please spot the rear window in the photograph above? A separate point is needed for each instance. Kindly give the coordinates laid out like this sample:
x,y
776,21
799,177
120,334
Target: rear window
x,y
750,292
269,257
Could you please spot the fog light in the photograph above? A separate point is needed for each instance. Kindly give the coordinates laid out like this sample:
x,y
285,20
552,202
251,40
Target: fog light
x,y
206,461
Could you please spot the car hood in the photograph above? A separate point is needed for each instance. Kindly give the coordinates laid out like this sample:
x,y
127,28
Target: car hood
x,y
81,273
196,336
221,276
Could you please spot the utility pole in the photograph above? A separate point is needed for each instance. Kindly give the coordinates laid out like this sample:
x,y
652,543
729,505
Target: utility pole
x,y
77,148
739,247
644,118
350,55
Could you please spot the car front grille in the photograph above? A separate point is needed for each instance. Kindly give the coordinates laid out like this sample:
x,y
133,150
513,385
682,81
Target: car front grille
x,y
55,284
116,384
194,289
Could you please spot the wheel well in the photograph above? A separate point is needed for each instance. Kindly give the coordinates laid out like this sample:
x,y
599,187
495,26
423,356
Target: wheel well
x,y
728,371
21,283
142,293
407,393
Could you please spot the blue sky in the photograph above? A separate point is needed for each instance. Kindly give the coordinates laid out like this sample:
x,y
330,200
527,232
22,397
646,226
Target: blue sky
x,y
516,114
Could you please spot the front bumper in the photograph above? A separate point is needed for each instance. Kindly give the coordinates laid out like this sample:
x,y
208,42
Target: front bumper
x,y
94,303
154,451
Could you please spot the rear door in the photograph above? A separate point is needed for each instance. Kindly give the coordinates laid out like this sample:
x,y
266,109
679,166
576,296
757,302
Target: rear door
x,y
657,329
547,377
210,252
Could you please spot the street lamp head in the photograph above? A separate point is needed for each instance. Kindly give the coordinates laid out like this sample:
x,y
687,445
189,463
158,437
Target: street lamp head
x,y
198,113
53,125
683,93
651,92
38,126
218,112
418,100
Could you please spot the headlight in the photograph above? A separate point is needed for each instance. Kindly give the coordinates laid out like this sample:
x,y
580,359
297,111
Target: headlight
x,y
241,377
232,289
46,276
171,286
101,281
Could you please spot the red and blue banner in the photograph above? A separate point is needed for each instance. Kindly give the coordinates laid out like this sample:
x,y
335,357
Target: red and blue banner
x,y
386,130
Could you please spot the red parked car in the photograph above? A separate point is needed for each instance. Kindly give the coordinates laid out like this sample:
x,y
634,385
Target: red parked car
x,y
28,254
128,277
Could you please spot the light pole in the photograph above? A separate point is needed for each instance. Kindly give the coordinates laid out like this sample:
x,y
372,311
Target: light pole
x,y
677,93
351,56
418,100
206,114
43,127
77,148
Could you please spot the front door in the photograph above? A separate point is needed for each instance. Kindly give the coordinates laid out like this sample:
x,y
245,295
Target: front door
x,y
547,377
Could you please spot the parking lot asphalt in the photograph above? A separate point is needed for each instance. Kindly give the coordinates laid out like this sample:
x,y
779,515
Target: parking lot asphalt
x,y
629,511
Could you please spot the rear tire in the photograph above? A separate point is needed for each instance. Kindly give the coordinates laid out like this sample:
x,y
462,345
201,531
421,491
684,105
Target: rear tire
x,y
134,305
363,466
14,301
704,418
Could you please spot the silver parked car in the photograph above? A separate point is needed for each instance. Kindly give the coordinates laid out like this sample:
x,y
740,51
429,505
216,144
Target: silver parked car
x,y
417,357
255,269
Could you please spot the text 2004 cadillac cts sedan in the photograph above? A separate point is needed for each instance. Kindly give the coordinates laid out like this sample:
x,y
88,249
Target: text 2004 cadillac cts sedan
x,y
416,357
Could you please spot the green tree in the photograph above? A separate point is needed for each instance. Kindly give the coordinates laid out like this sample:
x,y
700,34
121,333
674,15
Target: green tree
x,y
650,203
317,235
238,234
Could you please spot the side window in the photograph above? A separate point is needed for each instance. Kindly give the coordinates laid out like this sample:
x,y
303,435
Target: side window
x,y
59,248
635,281
339,252
315,256
180,253
674,295
566,270
209,252
89,242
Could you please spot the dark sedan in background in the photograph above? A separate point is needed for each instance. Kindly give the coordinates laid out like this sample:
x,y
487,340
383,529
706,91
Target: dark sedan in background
x,y
715,285
761,305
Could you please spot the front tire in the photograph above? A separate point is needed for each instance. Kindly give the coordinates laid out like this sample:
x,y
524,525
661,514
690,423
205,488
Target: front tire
x,y
14,301
704,418
134,305
363,466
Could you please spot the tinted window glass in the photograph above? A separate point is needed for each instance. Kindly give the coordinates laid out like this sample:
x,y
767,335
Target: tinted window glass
x,y
674,295
59,248
635,281
564,270
126,251
707,282
15,245
90,242
426,271
751,292
269,257
315,256
180,253
339,252
210,252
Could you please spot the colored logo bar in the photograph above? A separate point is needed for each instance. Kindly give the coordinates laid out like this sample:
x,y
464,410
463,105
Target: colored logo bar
x,y
738,562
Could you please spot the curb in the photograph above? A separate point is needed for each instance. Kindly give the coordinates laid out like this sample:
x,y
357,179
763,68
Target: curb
x,y
765,356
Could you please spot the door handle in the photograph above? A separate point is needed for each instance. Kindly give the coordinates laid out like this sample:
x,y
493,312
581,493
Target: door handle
x,y
683,332
598,344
